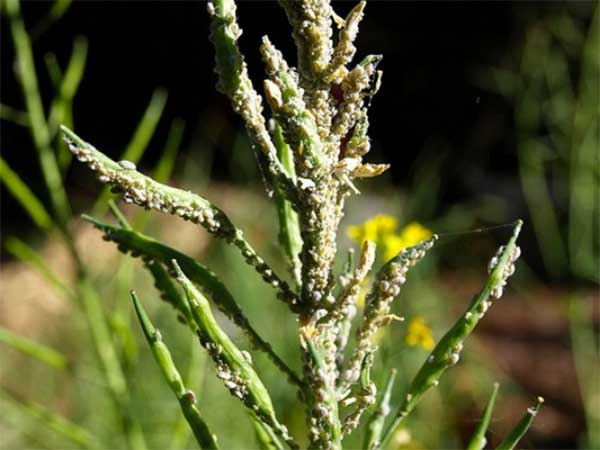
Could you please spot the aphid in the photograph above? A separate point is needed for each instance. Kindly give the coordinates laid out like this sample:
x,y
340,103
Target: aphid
x,y
127,165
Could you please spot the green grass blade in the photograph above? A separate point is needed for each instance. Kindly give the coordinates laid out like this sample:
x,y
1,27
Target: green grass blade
x,y
27,199
375,424
139,244
14,115
50,420
584,347
164,167
447,351
39,128
521,428
42,353
69,83
139,141
187,400
479,440
59,8
26,254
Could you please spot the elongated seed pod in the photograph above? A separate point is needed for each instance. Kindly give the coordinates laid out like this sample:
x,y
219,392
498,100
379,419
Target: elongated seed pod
x,y
385,289
233,367
478,440
447,351
187,400
151,250
513,438
144,191
376,422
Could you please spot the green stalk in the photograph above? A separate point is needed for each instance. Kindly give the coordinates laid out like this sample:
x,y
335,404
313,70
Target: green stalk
x,y
42,353
584,212
39,128
375,424
68,430
289,226
479,440
187,399
26,198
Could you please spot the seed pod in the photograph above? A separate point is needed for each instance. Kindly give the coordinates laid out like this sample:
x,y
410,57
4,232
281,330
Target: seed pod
x,y
187,399
232,367
447,352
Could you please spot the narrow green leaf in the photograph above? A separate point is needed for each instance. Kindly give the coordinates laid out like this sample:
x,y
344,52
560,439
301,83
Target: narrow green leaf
x,y
479,440
69,83
521,428
20,250
59,8
48,419
39,128
41,352
27,199
165,164
187,399
14,115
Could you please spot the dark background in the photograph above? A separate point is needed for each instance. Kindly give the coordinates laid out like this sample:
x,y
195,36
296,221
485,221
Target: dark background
x,y
429,105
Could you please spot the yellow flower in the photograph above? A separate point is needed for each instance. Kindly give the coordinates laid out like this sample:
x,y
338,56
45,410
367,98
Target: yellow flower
x,y
391,246
414,233
418,333
381,229
374,229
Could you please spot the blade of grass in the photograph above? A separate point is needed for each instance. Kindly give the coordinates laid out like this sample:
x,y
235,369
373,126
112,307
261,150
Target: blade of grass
x,y
139,141
41,352
27,199
13,115
20,250
69,83
521,428
39,128
479,440
584,345
50,420
187,399
59,8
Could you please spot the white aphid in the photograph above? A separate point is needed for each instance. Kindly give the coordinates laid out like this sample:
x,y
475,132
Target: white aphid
x,y
128,165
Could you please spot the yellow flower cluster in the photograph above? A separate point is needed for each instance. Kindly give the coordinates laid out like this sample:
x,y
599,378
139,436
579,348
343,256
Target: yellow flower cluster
x,y
418,333
381,229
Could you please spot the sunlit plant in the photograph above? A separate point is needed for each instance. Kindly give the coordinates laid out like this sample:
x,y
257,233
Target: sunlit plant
x,y
311,151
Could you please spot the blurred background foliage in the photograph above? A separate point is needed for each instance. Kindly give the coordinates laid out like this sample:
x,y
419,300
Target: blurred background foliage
x,y
488,112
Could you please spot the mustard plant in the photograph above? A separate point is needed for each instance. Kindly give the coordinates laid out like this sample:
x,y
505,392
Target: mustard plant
x,y
311,151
